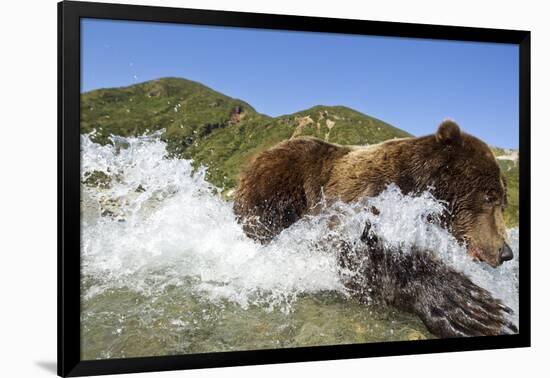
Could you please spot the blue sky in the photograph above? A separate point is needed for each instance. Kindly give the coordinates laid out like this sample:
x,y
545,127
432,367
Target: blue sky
x,y
412,84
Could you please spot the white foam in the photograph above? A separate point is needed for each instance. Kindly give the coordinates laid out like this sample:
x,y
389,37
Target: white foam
x,y
168,226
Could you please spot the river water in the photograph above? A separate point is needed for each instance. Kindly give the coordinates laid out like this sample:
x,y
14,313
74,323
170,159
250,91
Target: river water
x,y
166,269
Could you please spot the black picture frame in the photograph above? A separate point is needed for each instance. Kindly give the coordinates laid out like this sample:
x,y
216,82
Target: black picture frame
x,y
69,15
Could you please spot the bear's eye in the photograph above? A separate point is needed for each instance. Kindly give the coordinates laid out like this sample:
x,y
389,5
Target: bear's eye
x,y
491,198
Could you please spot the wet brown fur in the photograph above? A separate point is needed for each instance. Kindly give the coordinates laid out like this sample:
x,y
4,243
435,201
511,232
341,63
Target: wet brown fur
x,y
289,180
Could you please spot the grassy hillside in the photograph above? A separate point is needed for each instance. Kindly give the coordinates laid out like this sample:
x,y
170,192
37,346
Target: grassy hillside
x,y
213,129
187,110
223,133
509,164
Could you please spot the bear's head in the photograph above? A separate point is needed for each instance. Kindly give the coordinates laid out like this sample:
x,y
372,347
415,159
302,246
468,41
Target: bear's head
x,y
468,177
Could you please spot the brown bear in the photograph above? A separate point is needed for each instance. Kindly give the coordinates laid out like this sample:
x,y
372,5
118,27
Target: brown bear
x,y
290,180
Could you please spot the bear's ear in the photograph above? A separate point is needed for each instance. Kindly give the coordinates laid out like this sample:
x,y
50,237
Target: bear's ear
x,y
448,133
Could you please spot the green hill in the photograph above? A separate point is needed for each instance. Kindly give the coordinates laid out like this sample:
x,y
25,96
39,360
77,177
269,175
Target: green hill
x,y
188,111
218,131
508,160
215,130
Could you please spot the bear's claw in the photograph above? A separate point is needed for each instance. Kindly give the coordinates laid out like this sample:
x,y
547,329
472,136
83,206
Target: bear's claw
x,y
454,306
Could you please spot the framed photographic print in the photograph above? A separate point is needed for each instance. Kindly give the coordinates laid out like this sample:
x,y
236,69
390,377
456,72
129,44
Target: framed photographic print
x,y
239,188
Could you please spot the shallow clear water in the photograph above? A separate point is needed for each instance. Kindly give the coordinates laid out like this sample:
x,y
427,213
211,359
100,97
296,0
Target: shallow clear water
x,y
167,270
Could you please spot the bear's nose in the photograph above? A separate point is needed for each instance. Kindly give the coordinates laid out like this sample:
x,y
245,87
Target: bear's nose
x,y
505,253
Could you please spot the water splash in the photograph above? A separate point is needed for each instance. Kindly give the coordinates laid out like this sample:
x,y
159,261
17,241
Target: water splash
x,y
155,223
165,223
